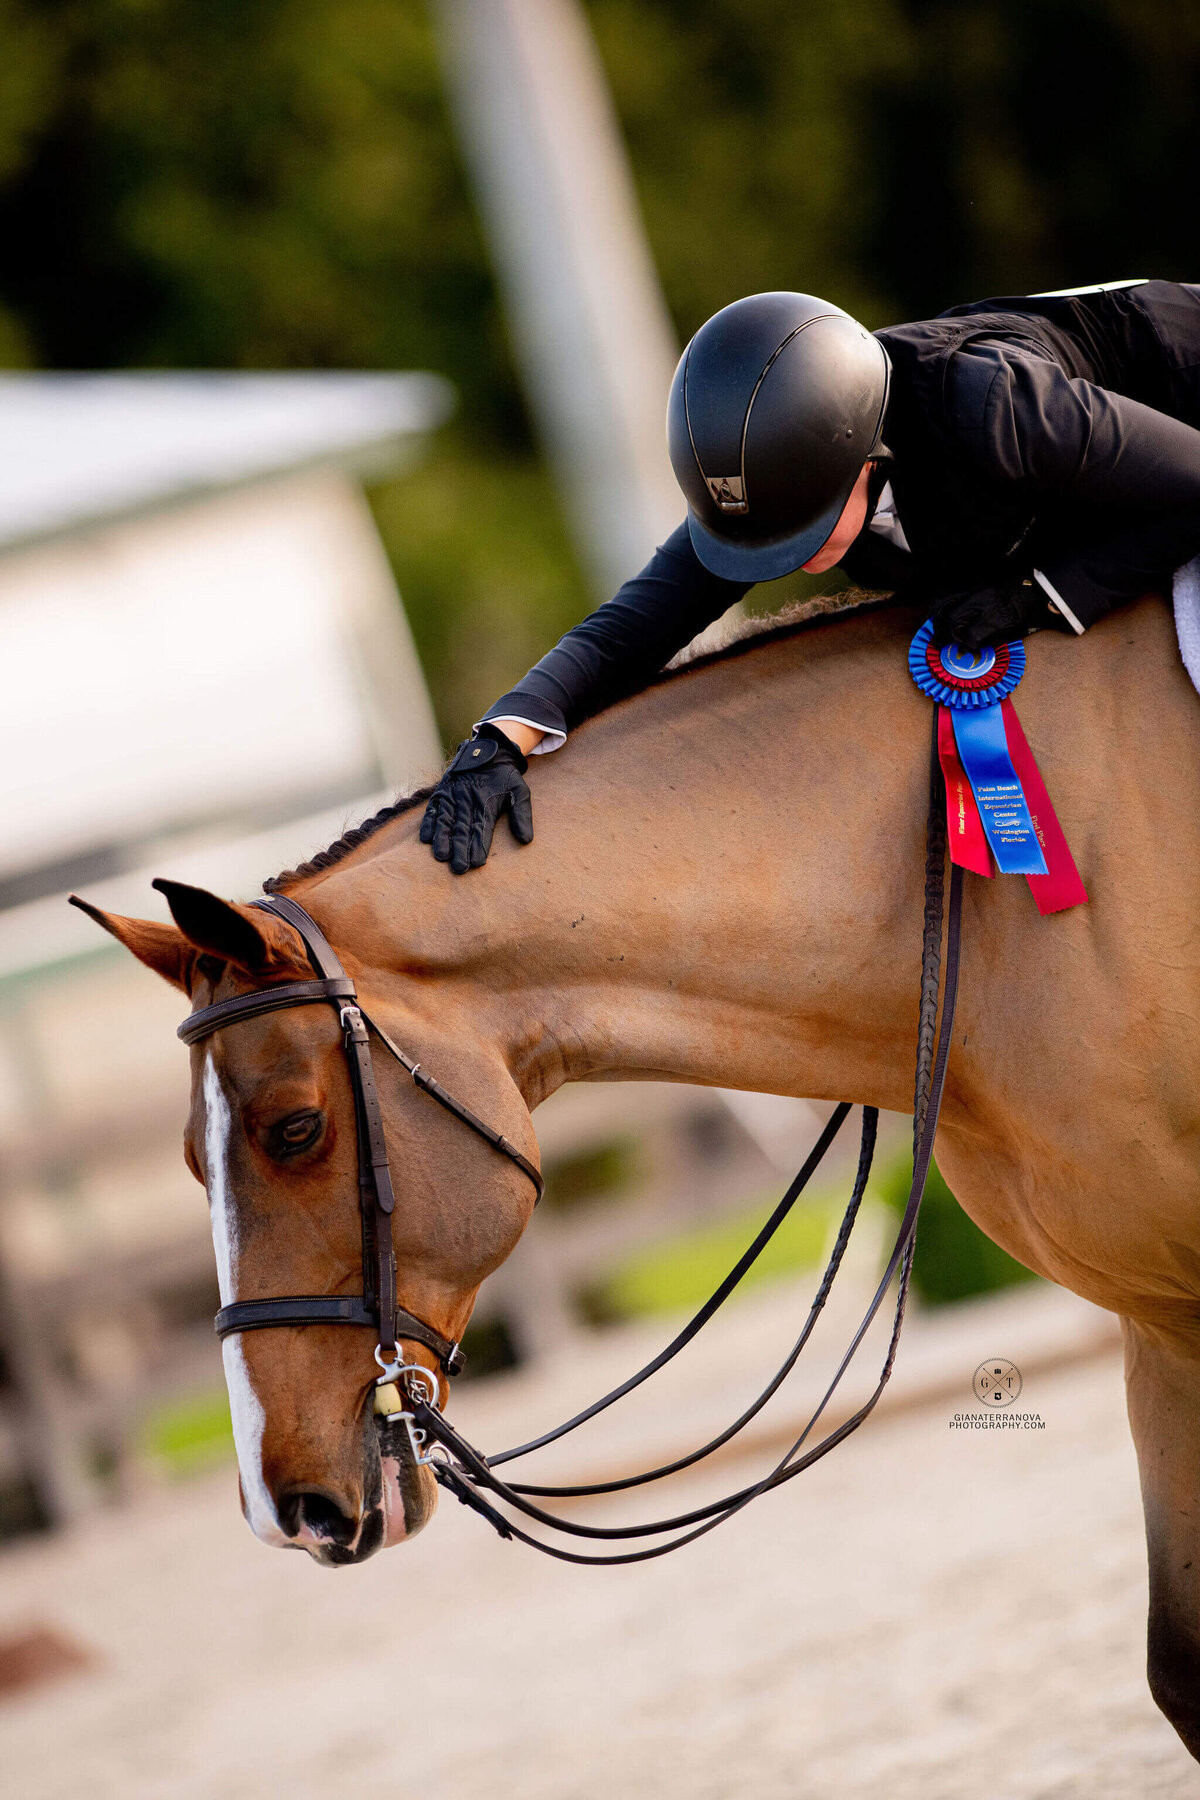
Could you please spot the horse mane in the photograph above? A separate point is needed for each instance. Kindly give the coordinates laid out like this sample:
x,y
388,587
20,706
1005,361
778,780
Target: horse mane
x,y
349,840
740,636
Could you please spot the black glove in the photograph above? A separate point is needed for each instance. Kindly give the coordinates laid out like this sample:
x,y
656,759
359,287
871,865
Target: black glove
x,y
484,780
984,617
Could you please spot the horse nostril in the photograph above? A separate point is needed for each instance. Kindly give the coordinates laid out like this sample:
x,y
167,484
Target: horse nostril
x,y
299,1507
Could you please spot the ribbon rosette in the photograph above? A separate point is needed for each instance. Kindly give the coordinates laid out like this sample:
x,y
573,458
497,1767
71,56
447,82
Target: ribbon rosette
x,y
996,802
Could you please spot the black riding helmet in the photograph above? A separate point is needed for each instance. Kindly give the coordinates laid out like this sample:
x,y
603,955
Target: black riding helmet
x,y
776,405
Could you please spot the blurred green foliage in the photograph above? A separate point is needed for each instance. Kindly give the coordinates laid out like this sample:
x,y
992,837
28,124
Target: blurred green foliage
x,y
595,1173
274,183
683,1270
901,155
486,568
187,1436
953,1258
241,183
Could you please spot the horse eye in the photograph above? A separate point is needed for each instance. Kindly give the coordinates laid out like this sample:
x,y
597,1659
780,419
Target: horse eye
x,y
297,1133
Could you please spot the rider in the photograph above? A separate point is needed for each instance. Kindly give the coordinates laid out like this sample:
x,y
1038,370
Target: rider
x,y
1012,465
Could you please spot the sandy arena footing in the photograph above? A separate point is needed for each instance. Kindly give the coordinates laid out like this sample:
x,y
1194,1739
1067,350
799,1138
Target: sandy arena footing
x,y
932,1614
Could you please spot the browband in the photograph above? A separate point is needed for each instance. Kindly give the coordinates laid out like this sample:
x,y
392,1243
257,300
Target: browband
x,y
202,1024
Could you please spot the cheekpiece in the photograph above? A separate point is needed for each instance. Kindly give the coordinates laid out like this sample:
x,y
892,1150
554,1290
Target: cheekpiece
x,y
964,678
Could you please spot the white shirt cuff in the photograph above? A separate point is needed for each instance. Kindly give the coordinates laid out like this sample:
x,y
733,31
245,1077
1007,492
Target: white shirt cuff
x,y
1049,588
549,740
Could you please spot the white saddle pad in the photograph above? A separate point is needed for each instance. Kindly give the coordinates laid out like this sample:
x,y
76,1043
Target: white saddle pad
x,y
1186,595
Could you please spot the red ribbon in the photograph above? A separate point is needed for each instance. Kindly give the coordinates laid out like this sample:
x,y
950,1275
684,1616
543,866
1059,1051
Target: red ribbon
x,y
968,841
1053,892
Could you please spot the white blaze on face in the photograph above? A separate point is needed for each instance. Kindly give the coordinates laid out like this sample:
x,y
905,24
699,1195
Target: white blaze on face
x,y
245,1407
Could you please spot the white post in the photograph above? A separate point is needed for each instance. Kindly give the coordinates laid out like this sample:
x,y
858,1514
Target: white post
x,y
589,324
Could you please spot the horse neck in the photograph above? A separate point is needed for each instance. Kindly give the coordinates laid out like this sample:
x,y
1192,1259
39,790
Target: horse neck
x,y
724,887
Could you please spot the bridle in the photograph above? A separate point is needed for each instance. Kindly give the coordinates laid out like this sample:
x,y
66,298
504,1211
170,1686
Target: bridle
x,y
377,1304
459,1467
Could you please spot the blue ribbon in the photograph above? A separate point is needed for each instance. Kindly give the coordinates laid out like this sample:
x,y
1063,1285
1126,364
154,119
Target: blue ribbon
x,y
983,747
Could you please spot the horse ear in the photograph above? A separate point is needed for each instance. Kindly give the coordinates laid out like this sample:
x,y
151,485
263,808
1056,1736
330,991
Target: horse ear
x,y
162,948
253,940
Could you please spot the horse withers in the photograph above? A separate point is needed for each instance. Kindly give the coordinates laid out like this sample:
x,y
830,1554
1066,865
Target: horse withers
x,y
771,798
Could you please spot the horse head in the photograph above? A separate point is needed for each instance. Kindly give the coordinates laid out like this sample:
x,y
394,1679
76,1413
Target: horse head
x,y
272,1135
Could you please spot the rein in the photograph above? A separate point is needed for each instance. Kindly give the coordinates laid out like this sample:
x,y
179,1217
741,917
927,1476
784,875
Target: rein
x,y
468,1475
461,1469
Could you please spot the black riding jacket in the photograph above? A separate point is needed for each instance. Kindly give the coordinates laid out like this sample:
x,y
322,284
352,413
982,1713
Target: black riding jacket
x,y
1057,433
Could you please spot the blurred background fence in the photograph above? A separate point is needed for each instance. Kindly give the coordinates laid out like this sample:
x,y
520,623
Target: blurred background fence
x,y
531,203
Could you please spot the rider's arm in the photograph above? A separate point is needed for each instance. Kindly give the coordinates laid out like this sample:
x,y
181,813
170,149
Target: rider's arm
x,y
1025,419
528,738
620,646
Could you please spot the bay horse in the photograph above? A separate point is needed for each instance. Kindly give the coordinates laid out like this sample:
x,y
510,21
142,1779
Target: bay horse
x,y
725,888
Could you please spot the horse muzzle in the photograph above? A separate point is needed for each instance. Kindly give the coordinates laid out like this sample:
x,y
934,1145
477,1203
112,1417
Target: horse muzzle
x,y
340,1523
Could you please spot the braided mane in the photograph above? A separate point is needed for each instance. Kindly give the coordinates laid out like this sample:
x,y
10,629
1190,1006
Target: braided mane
x,y
349,840
744,635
